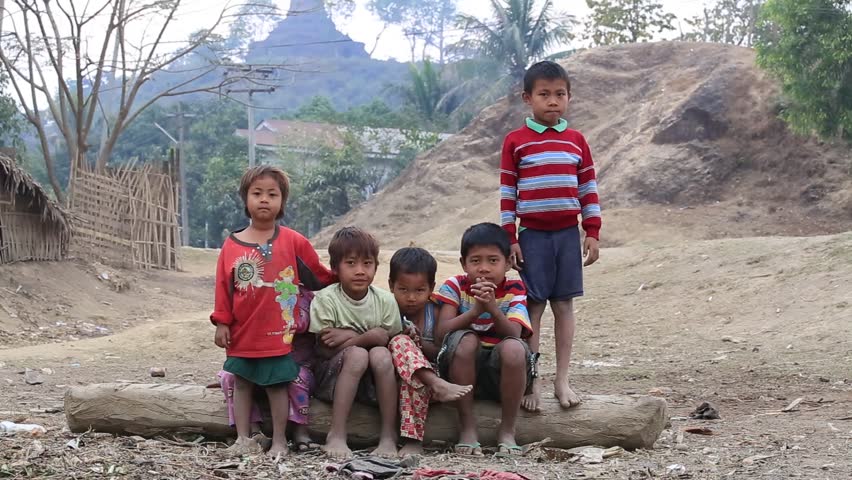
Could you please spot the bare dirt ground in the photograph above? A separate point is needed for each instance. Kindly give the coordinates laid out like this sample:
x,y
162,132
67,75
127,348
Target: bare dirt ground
x,y
689,130
749,325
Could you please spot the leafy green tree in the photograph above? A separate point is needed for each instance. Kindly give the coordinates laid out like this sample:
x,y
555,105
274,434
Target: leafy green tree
x,y
517,34
807,45
726,21
375,114
11,120
218,199
326,191
426,94
626,21
421,20
211,136
319,109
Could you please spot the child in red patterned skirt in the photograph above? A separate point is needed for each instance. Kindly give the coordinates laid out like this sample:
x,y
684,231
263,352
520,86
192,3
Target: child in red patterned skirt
x,y
412,280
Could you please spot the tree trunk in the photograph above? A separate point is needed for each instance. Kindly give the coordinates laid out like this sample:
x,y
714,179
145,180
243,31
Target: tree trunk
x,y
49,168
149,410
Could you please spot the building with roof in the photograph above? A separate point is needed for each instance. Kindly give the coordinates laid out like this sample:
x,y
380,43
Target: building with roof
x,y
32,225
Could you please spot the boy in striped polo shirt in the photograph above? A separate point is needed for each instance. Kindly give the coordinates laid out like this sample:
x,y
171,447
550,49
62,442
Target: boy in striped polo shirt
x,y
482,321
547,179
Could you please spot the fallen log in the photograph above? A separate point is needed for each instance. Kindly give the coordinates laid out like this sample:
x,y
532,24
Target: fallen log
x,y
159,409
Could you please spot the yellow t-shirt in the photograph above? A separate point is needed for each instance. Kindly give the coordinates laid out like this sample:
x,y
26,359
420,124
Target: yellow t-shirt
x,y
332,308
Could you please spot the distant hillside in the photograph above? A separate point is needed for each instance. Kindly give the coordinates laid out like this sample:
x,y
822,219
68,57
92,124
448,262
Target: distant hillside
x,y
318,60
329,62
686,140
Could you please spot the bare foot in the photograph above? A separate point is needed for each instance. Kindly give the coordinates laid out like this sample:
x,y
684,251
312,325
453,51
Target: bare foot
x,y
278,451
243,446
386,449
531,402
411,447
300,433
506,436
336,448
567,397
262,440
468,443
444,391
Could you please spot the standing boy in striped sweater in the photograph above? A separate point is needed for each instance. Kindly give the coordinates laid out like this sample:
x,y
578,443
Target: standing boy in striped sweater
x,y
547,179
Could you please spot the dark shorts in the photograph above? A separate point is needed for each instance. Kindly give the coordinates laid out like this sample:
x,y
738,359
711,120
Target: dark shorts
x,y
553,264
487,364
326,372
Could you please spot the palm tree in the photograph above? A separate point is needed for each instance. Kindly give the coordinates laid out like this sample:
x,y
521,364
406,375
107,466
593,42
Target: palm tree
x,y
517,35
426,91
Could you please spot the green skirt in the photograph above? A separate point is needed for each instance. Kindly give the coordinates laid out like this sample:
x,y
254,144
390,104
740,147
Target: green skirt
x,y
263,372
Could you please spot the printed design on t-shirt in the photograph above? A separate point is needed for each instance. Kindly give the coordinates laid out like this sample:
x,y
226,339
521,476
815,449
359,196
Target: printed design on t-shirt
x,y
248,271
288,295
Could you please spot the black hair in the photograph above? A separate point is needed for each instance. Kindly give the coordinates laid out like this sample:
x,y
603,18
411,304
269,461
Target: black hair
x,y
485,234
413,260
259,171
352,241
545,70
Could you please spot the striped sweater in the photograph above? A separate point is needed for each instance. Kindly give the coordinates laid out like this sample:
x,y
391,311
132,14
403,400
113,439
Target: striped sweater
x,y
511,296
547,179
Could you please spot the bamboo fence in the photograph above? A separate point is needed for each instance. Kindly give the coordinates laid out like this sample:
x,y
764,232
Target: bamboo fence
x,y
127,216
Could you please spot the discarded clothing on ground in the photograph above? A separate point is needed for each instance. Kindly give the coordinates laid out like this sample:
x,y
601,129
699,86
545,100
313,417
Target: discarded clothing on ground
x,y
367,468
429,474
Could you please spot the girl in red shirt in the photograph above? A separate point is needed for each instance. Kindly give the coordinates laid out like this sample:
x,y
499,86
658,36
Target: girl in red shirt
x,y
258,275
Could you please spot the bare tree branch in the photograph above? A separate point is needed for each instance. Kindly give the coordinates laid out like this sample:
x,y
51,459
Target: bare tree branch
x,y
99,71
50,49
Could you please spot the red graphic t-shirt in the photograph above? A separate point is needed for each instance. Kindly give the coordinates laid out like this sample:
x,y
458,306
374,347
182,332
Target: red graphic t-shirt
x,y
257,288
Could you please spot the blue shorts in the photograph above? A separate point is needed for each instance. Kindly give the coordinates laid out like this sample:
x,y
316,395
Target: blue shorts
x,y
553,264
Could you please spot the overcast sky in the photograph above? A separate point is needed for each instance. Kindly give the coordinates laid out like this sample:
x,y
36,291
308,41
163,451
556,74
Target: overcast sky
x,y
363,26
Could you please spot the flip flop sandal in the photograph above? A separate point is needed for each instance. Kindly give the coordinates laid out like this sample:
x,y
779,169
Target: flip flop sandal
x,y
534,365
468,449
506,450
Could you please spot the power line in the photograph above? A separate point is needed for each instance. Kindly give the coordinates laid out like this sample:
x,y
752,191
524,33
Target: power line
x,y
255,76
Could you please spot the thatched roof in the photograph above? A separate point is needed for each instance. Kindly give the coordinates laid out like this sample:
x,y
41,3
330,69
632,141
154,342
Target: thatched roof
x,y
24,188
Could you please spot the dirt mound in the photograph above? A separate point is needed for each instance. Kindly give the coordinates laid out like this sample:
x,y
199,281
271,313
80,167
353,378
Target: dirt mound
x,y
688,126
47,302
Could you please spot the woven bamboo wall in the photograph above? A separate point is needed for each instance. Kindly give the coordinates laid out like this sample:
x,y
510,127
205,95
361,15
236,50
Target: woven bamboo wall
x,y
127,217
25,235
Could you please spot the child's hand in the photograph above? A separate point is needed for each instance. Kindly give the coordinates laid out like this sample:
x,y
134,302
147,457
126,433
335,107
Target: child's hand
x,y
478,307
517,257
483,292
413,333
590,250
380,337
335,337
223,335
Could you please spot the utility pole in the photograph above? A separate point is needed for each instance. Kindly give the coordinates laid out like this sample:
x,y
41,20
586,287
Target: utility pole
x,y
184,197
253,75
251,130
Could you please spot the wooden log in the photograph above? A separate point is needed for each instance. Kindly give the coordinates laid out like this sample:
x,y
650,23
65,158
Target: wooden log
x,y
156,409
